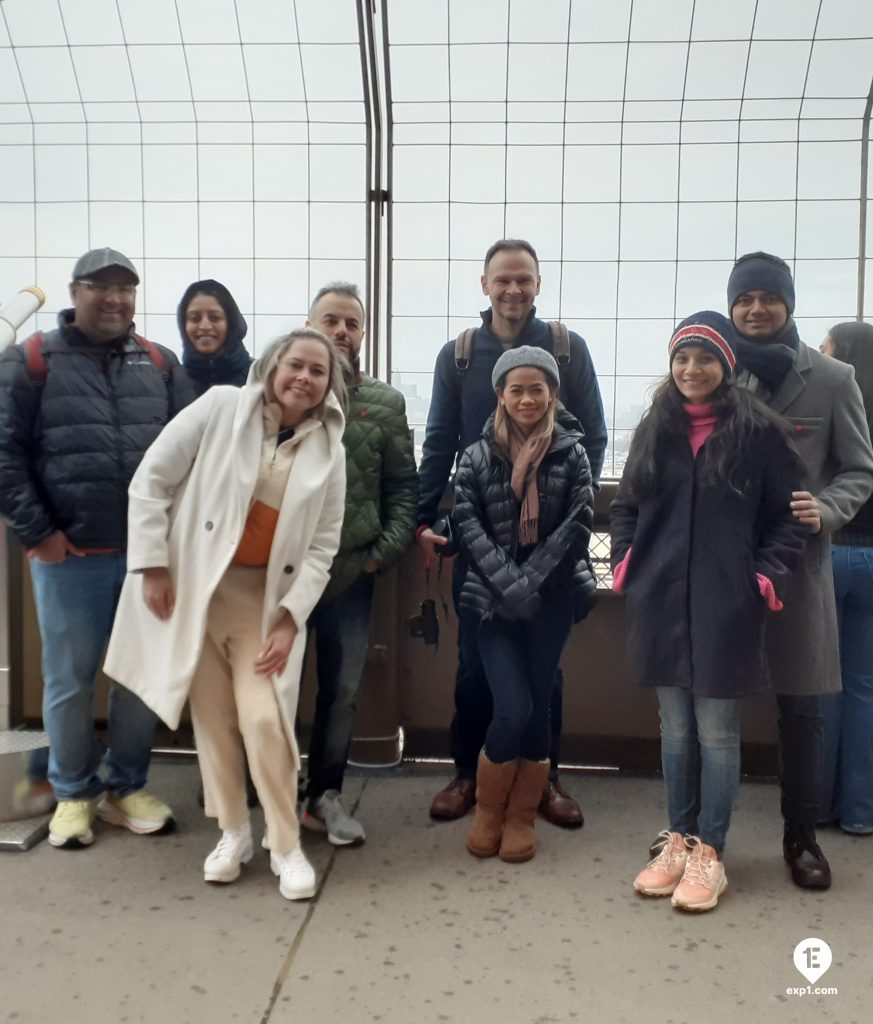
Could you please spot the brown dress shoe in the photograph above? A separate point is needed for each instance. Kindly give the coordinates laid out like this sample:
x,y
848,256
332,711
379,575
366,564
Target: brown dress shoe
x,y
558,807
455,800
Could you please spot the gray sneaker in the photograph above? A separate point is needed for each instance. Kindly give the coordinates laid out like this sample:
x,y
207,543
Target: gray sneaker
x,y
327,814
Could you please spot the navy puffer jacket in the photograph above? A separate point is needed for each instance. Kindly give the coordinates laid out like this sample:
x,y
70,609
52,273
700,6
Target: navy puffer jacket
x,y
70,445
485,519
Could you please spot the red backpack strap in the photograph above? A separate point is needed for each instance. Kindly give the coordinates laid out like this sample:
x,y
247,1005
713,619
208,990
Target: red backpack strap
x,y
34,358
158,360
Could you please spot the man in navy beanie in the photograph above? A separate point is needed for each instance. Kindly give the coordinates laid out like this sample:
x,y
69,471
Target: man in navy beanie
x,y
821,402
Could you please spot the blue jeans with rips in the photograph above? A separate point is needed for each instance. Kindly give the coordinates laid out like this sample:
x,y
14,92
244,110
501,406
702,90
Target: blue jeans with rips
x,y
700,757
848,716
342,629
75,606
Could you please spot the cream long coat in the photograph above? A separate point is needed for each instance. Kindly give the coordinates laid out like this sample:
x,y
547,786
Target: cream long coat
x,y
189,500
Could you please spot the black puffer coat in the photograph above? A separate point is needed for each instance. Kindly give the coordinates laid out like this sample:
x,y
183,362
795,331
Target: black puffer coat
x,y
485,520
694,608
69,447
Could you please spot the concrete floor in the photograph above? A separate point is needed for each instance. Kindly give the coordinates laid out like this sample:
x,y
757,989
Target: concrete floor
x,y
409,929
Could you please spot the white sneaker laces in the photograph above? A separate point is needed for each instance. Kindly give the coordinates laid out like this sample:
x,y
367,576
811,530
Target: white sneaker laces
x,y
229,841
699,868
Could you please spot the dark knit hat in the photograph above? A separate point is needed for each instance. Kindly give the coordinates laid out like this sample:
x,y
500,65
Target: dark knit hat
x,y
711,331
760,271
526,355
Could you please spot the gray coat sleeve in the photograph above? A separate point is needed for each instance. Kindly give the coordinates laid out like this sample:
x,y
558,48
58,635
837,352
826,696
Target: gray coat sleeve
x,y
851,457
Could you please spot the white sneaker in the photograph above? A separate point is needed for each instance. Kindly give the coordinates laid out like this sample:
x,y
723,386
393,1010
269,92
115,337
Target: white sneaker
x,y
296,874
327,814
234,849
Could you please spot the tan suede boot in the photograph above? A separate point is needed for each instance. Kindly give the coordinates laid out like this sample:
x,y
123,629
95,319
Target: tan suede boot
x,y
493,783
518,843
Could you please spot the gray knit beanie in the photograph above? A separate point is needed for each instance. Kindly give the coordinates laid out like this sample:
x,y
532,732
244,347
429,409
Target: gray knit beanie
x,y
526,355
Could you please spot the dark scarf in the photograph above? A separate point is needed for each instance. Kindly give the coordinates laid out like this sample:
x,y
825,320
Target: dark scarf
x,y
769,360
230,364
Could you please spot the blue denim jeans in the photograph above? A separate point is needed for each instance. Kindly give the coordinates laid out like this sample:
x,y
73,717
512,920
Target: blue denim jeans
x,y
342,628
520,661
848,716
473,707
75,606
700,757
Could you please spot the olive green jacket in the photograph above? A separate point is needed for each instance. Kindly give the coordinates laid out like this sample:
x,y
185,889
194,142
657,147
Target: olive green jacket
x,y
381,482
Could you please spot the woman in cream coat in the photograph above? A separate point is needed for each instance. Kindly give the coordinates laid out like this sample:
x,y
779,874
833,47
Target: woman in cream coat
x,y
235,516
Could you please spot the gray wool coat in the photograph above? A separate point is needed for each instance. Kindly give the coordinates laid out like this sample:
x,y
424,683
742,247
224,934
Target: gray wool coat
x,y
821,401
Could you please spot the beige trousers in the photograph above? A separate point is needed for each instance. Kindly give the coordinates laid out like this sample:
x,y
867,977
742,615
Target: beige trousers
x,y
236,715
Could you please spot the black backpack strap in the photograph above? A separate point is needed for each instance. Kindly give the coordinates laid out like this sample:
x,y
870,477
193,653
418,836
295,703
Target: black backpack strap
x,y
560,343
463,350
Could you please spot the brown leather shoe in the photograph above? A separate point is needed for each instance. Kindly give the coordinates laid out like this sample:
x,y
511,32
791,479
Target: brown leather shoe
x,y
455,800
558,807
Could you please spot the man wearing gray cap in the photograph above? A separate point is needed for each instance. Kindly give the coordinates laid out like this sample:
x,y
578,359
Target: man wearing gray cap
x,y
79,407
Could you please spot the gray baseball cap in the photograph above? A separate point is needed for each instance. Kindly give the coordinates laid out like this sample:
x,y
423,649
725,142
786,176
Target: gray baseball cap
x,y
102,259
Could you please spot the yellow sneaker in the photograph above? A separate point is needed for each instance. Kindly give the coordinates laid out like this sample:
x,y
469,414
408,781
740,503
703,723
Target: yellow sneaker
x,y
70,826
140,812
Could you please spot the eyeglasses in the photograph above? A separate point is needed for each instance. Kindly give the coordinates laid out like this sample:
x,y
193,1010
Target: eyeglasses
x,y
126,291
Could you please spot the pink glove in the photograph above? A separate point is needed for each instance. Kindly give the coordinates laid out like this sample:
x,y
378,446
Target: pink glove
x,y
765,586
619,572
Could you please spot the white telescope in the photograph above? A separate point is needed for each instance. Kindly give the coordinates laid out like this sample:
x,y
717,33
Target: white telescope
x,y
16,311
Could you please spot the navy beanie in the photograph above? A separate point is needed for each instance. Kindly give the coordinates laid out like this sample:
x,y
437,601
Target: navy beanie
x,y
709,330
759,271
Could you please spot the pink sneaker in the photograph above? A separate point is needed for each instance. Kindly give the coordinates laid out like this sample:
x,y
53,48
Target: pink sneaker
x,y
663,873
704,879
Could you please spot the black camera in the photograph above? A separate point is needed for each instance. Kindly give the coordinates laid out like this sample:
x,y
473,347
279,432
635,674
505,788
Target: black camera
x,y
443,528
425,625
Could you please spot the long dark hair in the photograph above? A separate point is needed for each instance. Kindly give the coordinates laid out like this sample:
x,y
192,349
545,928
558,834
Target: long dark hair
x,y
853,344
739,417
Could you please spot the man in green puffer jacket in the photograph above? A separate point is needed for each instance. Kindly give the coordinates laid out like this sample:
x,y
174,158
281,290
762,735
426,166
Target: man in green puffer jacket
x,y
381,502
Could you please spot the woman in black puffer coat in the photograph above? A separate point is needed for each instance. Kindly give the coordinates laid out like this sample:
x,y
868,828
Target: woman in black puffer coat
x,y
523,514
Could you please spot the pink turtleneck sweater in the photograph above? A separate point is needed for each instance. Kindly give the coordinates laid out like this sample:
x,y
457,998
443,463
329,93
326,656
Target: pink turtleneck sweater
x,y
701,423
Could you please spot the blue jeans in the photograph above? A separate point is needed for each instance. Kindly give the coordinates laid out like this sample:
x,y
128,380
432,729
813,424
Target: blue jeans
x,y
342,628
75,606
700,757
473,696
848,770
520,661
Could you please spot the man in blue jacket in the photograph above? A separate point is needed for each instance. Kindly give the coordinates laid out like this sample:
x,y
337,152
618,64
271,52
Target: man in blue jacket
x,y
78,408
461,402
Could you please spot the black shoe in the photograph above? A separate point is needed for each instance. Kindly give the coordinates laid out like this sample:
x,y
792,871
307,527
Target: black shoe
x,y
809,867
657,845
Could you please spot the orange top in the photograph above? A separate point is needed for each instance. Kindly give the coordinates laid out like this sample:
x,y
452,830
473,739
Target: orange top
x,y
257,538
